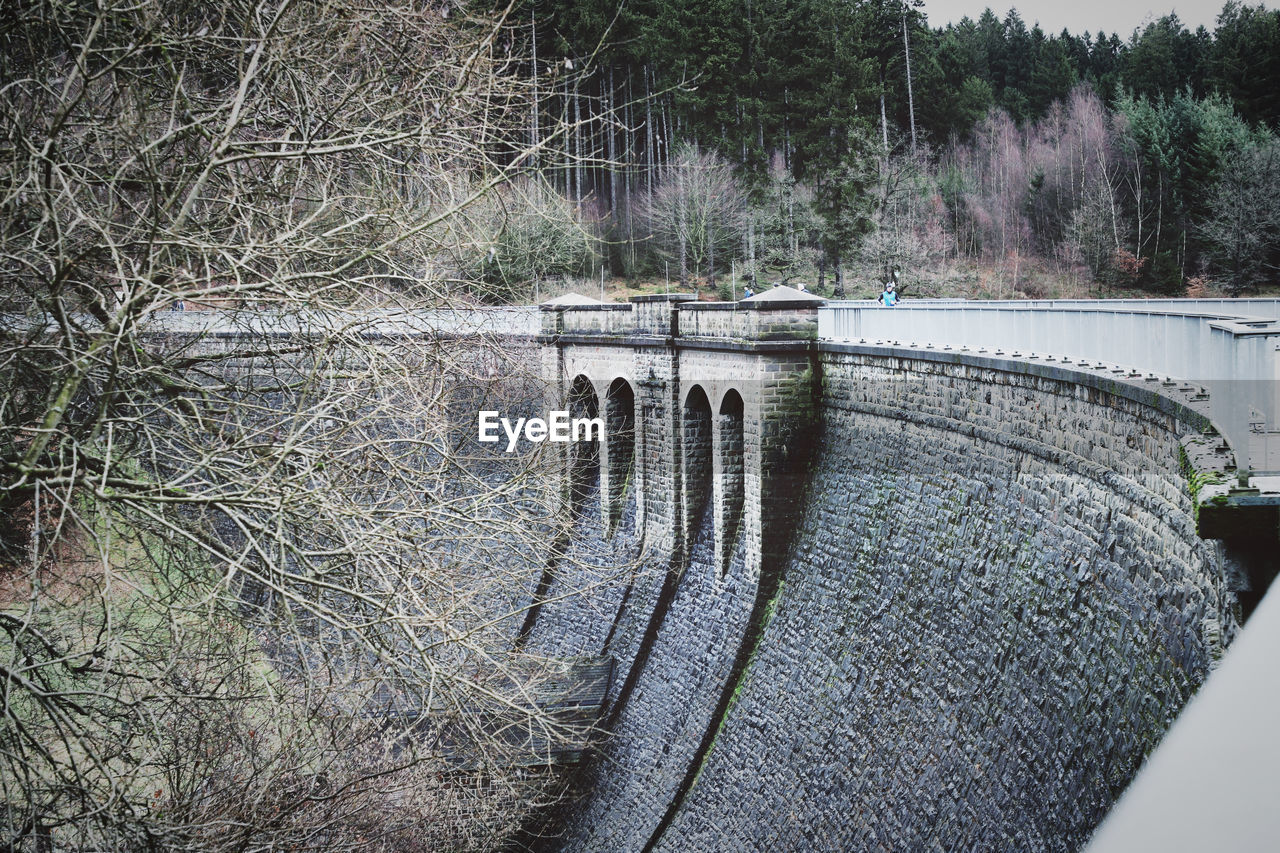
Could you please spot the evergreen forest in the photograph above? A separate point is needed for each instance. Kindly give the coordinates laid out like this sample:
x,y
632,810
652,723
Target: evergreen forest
x,y
833,142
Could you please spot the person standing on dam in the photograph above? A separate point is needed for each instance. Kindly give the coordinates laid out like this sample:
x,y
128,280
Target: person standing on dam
x,y
889,297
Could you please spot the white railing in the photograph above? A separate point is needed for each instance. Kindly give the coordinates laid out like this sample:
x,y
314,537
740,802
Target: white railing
x,y
1258,308
1230,354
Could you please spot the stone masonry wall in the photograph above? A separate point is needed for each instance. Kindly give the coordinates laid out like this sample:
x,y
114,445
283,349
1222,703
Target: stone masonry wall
x,y
726,320
993,605
659,727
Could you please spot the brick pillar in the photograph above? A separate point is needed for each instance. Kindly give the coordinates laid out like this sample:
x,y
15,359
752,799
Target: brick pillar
x,y
764,349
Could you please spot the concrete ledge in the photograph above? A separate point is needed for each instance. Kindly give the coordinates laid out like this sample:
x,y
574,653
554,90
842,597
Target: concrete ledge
x,y
1226,507
1241,328
713,306
609,340
1238,516
778,305
748,305
768,343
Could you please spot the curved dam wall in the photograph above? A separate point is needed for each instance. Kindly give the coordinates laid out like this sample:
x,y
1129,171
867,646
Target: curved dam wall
x,y
993,605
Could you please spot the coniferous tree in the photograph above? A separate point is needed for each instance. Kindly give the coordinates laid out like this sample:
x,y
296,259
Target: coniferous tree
x,y
1244,62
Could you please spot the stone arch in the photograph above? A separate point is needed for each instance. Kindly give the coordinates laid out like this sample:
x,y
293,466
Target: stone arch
x,y
584,456
696,459
730,470
620,447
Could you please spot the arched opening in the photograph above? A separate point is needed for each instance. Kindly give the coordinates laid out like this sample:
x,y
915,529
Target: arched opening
x,y
584,455
620,446
696,456
729,479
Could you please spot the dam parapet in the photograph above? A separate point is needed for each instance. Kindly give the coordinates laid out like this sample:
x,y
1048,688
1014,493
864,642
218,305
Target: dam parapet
x,y
1226,359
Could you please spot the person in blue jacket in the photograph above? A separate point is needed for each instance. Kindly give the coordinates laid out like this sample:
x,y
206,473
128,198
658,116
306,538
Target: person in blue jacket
x,y
889,297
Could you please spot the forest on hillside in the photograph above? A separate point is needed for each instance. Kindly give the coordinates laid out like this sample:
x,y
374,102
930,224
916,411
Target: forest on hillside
x,y
822,139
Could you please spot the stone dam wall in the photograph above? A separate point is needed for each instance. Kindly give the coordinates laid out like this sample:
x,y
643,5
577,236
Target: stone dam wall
x,y
992,607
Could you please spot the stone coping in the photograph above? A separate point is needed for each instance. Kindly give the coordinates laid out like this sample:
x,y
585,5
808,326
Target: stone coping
x,y
663,297
767,344
776,305
712,306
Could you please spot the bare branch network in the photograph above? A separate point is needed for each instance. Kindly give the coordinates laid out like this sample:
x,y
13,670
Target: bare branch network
x,y
262,594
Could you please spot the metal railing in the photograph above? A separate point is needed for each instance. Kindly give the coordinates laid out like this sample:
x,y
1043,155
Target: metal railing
x,y
1230,354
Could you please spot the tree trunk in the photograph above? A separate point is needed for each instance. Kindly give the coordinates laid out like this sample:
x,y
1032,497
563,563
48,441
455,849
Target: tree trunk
x,y
1159,212
711,260
629,156
911,101
786,128
684,262
615,228
533,109
682,227
1137,197
666,118
793,240
648,129
568,143
884,121
577,146
838,290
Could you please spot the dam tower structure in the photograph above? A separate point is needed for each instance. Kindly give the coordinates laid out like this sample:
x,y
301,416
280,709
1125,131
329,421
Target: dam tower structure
x,y
705,404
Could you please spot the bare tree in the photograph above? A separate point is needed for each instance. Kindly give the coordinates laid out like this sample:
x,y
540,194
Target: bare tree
x,y
906,232
259,589
1244,220
1091,234
695,212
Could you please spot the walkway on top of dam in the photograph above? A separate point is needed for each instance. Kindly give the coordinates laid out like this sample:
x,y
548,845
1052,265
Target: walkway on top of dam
x,y
1220,355
1217,357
